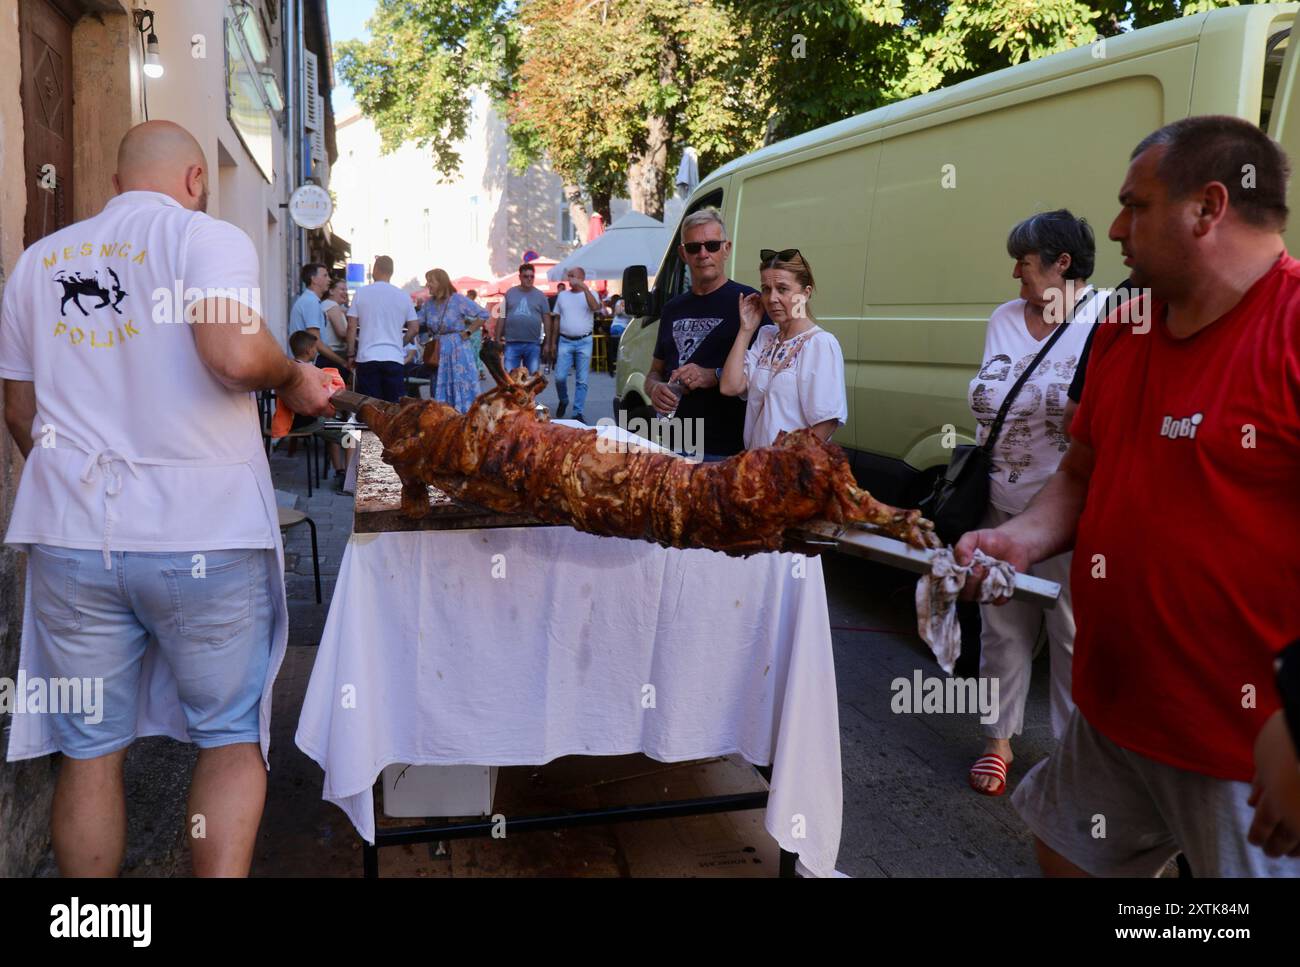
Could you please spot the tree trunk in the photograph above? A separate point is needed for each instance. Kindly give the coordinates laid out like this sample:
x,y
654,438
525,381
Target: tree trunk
x,y
577,210
647,177
647,174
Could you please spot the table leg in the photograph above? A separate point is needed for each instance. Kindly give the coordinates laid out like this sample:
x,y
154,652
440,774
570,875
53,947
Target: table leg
x,y
370,861
315,557
786,869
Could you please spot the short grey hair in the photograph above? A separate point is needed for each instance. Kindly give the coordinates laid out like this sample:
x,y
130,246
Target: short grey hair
x,y
703,217
1049,234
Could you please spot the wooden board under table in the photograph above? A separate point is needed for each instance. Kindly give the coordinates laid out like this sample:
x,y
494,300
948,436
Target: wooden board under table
x,y
379,501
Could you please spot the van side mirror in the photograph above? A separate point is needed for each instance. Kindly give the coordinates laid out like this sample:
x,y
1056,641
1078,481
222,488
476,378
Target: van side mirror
x,y
636,291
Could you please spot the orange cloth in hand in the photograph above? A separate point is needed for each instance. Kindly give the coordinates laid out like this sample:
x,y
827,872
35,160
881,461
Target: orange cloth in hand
x,y
282,422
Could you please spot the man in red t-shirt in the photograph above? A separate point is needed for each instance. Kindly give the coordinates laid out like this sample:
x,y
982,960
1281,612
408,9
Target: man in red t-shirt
x,y
1180,495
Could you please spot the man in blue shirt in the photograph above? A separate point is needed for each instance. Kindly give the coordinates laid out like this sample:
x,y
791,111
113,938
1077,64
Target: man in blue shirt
x,y
307,314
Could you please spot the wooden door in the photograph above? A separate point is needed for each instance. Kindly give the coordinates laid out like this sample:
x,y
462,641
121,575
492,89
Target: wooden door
x,y
46,38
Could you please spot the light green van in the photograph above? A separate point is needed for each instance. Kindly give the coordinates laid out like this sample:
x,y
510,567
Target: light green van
x,y
903,212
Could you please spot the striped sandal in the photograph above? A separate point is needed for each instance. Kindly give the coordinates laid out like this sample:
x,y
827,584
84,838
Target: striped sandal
x,y
993,765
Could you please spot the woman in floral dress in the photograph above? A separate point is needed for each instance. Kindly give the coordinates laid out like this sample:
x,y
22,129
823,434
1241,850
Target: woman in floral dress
x,y
452,319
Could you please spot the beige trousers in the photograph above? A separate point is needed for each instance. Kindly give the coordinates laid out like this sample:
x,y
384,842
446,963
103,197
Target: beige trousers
x,y
1007,646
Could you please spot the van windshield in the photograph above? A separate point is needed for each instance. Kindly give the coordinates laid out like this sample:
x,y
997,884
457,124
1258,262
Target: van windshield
x,y
676,275
1274,54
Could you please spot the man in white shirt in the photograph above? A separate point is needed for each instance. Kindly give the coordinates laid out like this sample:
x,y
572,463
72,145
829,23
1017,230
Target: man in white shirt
x,y
574,309
387,321
130,343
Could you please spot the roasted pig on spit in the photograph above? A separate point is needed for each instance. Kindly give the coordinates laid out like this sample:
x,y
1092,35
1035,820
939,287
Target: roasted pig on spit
x,y
506,456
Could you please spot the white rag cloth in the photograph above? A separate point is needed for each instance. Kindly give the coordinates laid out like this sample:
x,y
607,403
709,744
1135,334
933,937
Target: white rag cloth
x,y
936,599
515,646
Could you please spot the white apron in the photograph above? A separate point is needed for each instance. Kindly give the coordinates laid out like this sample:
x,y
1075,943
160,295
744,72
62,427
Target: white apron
x,y
158,707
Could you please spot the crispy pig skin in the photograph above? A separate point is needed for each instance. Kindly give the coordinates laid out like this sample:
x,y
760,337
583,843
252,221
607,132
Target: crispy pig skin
x,y
504,455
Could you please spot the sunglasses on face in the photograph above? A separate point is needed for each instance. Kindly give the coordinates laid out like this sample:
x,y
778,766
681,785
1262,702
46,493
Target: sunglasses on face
x,y
693,248
771,255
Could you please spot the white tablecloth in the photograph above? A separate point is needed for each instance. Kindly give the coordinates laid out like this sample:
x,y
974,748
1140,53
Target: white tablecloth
x,y
428,658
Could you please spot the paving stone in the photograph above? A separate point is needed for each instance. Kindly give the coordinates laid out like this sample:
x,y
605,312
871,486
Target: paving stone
x,y
937,861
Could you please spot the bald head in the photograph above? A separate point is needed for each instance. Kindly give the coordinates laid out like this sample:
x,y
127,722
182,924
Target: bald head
x,y
164,157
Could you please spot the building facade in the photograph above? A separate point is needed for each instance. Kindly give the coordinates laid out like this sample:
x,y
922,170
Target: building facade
x,y
479,224
251,80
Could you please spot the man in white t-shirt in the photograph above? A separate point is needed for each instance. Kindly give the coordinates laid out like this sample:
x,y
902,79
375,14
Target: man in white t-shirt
x,y
129,344
575,310
387,321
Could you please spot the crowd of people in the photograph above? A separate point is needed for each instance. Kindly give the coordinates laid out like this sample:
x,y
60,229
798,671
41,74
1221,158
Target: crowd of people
x,y
1161,493
373,332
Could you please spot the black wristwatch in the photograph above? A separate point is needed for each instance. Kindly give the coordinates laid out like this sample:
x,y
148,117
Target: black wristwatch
x,y
1288,686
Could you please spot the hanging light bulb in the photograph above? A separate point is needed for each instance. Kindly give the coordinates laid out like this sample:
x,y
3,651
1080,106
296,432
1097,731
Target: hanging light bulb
x,y
152,62
153,66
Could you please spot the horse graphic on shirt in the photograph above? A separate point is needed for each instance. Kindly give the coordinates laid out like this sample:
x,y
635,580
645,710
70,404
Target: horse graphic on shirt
x,y
76,285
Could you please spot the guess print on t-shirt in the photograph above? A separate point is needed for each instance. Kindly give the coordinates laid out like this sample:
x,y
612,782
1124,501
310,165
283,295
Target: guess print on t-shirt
x,y
689,333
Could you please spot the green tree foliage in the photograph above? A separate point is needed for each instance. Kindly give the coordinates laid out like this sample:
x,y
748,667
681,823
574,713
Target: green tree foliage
x,y
415,76
611,91
836,58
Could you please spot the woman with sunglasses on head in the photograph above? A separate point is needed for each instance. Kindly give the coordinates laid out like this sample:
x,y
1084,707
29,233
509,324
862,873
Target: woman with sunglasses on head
x,y
792,377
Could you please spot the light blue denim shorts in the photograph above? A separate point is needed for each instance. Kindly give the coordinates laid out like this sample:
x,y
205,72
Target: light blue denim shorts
x,y
211,614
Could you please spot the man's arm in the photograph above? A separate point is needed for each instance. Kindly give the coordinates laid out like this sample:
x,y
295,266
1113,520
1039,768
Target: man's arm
x,y
412,326
325,350
1047,526
551,344
1275,790
1071,407
245,358
20,411
351,338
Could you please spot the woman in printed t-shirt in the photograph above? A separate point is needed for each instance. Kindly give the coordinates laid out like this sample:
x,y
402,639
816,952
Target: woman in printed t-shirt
x,y
792,377
1054,254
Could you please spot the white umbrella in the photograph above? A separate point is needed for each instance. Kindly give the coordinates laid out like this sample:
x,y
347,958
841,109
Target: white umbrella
x,y
635,239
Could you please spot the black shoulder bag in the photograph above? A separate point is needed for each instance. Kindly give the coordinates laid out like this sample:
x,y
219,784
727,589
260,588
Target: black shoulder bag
x,y
961,495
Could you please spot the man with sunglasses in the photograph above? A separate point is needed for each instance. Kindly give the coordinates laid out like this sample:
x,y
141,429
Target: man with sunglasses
x,y
696,331
525,314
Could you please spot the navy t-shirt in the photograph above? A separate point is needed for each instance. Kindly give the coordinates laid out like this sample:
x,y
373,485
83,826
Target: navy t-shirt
x,y
701,329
